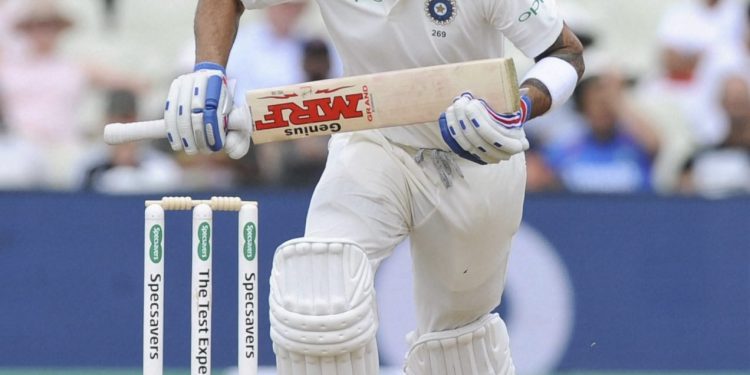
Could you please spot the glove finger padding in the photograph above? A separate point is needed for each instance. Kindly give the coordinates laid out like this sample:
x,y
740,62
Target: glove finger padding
x,y
458,122
184,114
508,139
196,112
216,111
470,126
452,135
170,116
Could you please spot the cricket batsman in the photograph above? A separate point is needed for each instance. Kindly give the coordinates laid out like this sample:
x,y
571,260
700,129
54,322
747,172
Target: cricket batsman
x,y
454,186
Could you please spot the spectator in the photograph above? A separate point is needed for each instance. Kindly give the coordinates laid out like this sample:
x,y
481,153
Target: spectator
x,y
316,60
539,176
41,75
563,124
131,167
266,53
284,61
303,160
42,90
276,36
615,154
717,20
725,169
22,165
671,95
680,99
723,60
110,14
692,31
9,45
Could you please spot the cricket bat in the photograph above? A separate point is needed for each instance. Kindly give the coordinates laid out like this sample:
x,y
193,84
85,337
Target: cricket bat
x,y
395,98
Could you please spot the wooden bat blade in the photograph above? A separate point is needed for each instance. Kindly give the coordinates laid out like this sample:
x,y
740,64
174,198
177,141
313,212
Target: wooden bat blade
x,y
396,98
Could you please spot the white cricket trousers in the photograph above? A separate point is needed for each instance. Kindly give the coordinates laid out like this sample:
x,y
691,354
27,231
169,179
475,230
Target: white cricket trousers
x,y
376,193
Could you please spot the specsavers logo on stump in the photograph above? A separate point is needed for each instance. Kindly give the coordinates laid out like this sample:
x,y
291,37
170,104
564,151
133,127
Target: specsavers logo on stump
x,y
204,241
248,247
155,251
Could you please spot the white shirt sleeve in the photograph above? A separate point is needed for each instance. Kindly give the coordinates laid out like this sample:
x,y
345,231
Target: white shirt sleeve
x,y
531,25
258,4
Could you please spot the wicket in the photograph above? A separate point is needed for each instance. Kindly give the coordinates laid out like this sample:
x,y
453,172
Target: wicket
x,y
153,285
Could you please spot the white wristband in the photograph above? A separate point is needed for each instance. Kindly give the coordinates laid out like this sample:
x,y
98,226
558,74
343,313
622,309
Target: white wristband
x,y
558,76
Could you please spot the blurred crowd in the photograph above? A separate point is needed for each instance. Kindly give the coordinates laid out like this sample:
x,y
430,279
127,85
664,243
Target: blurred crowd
x,y
682,127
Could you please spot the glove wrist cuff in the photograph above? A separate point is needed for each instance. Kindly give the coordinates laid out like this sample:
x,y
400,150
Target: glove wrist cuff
x,y
207,65
526,106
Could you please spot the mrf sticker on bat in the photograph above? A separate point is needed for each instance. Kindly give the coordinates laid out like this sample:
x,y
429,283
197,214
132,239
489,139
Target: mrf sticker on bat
x,y
306,112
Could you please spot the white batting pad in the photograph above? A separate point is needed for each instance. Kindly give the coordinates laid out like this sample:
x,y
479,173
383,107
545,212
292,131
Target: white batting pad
x,y
323,314
481,347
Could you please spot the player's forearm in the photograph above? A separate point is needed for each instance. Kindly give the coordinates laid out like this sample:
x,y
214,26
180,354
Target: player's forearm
x,y
567,48
216,23
540,97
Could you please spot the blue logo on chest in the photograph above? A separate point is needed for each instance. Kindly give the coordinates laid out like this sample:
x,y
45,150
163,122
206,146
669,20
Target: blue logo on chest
x,y
442,12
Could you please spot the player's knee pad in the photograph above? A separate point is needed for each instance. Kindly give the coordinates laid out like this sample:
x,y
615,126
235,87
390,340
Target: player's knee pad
x,y
481,347
323,313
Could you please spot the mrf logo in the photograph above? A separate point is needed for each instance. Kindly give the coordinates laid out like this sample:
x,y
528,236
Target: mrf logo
x,y
533,11
316,110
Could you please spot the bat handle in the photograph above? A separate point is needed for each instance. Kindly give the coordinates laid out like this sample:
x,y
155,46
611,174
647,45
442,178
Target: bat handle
x,y
119,133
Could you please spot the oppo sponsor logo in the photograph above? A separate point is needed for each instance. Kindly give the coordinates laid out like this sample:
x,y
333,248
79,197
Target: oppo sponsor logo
x,y
533,11
204,241
155,251
249,234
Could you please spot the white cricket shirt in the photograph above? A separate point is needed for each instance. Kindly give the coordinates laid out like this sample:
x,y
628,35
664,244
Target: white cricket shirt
x,y
381,35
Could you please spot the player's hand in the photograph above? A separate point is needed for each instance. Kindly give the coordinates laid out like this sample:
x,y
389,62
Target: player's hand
x,y
476,132
197,114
